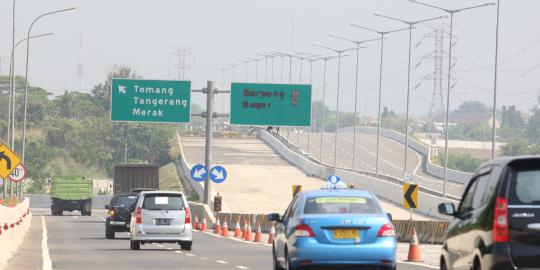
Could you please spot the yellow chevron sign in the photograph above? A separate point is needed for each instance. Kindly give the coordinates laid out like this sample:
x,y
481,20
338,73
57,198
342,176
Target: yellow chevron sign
x,y
410,195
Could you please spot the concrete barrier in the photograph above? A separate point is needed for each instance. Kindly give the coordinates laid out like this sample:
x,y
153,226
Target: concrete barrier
x,y
424,150
385,187
428,231
14,223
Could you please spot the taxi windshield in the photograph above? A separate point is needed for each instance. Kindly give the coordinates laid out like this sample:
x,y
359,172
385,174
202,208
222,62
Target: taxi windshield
x,y
341,205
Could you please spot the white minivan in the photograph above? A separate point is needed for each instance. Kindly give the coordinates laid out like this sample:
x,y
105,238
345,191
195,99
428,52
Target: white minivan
x,y
161,217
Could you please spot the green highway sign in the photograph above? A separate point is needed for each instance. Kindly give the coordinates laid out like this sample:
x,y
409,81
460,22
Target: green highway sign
x,y
150,101
270,104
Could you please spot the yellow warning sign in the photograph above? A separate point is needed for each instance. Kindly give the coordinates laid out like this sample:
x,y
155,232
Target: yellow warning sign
x,y
8,161
296,189
410,195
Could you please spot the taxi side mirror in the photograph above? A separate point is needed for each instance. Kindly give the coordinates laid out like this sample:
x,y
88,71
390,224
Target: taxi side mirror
x,y
389,216
107,206
274,217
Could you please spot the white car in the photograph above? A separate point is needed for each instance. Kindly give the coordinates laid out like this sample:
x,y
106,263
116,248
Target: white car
x,y
161,217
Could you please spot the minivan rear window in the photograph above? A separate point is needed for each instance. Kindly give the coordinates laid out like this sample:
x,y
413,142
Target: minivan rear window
x,y
341,205
163,202
125,201
524,187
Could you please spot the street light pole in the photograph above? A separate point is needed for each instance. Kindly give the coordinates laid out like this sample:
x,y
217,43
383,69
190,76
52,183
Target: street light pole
x,y
325,59
11,114
26,74
451,12
494,132
357,43
379,120
339,54
411,25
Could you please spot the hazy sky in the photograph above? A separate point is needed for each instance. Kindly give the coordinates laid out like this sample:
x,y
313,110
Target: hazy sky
x,y
146,34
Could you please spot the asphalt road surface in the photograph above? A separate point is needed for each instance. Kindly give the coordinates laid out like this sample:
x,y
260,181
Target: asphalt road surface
x,y
391,156
78,242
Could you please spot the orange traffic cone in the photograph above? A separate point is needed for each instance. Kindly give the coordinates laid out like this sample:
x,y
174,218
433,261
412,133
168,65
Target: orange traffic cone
x,y
244,230
272,234
217,227
247,236
204,226
196,222
225,229
414,248
258,235
237,230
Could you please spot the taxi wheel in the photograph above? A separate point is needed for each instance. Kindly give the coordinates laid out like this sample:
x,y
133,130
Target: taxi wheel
x,y
275,262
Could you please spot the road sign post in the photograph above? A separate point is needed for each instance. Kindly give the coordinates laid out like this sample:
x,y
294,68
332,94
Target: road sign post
x,y
209,136
156,101
265,104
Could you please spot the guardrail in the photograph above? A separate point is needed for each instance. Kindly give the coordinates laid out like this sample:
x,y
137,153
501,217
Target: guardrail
x,y
387,187
429,232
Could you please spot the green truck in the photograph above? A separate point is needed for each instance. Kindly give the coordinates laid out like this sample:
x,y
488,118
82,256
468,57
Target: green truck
x,y
69,193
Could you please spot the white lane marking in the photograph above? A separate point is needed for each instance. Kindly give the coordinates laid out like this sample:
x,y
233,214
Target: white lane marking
x,y
241,267
179,252
222,262
47,263
160,246
190,255
102,218
74,217
168,248
204,258
237,239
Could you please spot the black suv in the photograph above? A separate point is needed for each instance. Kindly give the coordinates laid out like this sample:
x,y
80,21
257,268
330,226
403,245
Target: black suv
x,y
119,214
497,223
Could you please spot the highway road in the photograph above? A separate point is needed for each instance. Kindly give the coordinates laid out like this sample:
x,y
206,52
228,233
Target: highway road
x,y
259,179
78,242
391,156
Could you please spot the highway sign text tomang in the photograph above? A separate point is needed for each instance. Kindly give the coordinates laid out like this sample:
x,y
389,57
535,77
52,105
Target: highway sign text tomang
x,y
8,161
150,101
410,195
270,104
199,173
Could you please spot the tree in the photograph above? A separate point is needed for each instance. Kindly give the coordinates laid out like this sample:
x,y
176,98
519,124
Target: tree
x,y
515,148
102,91
473,107
533,130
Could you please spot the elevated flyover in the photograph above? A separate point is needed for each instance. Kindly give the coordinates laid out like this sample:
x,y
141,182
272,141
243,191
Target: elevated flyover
x,y
259,179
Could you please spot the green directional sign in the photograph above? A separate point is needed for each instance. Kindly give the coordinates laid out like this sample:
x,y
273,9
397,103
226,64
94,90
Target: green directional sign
x,y
150,101
270,104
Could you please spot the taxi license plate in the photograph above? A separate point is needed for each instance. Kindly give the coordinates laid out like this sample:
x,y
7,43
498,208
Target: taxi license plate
x,y
346,234
163,221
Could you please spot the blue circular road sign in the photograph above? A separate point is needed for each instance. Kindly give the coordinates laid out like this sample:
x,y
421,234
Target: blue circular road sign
x,y
199,173
218,174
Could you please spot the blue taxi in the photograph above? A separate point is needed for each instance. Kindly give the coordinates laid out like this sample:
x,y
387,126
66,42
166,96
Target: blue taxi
x,y
334,227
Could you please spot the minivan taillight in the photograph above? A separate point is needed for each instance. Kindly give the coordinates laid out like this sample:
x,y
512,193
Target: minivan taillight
x,y
386,230
138,216
303,230
188,216
500,221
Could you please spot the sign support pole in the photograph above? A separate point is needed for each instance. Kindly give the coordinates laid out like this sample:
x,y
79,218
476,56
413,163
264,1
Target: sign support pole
x,y
209,137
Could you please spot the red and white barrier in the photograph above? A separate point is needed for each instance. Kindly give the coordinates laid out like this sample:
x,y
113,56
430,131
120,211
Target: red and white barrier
x,y
14,223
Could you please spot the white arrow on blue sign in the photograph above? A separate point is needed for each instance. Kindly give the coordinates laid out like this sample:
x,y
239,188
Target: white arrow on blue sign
x,y
199,173
218,174
333,179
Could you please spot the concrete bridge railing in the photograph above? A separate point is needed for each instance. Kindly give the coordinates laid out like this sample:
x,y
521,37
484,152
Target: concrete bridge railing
x,y
386,187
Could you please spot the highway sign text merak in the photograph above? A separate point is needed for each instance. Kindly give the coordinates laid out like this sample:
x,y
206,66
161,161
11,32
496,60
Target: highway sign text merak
x,y
270,104
157,101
